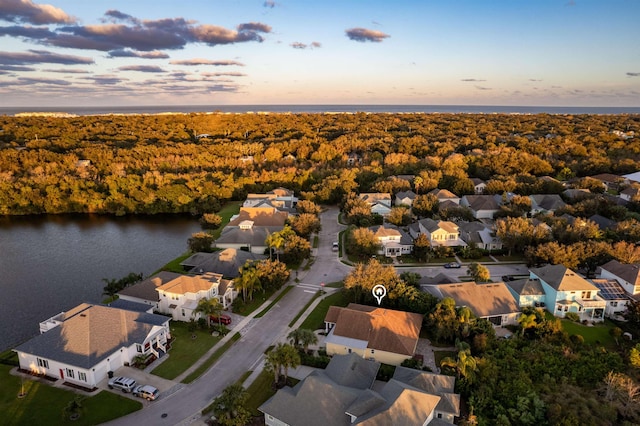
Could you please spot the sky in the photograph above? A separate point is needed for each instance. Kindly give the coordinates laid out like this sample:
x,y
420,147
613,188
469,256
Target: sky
x,y
275,52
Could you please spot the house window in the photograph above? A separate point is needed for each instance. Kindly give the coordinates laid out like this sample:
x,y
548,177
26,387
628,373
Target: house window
x,y
43,363
559,308
349,350
183,313
373,351
586,295
614,304
70,373
138,348
82,376
439,415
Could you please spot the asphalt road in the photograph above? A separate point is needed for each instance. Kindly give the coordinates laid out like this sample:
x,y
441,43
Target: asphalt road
x,y
183,406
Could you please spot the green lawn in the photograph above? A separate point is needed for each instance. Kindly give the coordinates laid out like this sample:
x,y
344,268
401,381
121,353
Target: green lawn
x,y
597,334
315,320
211,360
228,210
258,299
185,350
174,265
259,391
44,404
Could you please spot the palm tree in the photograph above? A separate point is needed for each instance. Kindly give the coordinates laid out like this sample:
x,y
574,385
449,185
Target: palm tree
x,y
289,358
465,364
209,307
229,407
273,365
248,280
275,241
302,337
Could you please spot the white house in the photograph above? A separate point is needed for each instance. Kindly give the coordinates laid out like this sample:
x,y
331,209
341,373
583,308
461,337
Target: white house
x,y
380,203
627,275
479,235
394,241
145,291
405,198
179,297
616,297
479,185
82,345
439,233
482,206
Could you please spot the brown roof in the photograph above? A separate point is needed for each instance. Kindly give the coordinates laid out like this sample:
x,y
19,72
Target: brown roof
x,y
191,284
383,329
443,194
146,289
484,300
260,216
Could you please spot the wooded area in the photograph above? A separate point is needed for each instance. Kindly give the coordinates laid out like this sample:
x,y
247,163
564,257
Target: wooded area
x,y
148,164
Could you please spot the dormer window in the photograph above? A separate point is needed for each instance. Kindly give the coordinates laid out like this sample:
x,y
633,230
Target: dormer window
x,y
246,224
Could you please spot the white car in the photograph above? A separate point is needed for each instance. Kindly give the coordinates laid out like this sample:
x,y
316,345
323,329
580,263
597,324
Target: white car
x,y
335,247
125,384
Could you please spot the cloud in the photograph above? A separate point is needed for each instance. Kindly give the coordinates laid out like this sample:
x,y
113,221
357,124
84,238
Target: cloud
x,y
299,45
270,4
41,56
223,74
16,68
105,80
633,74
126,53
483,88
126,32
27,11
141,68
45,81
363,35
67,71
474,80
535,80
200,61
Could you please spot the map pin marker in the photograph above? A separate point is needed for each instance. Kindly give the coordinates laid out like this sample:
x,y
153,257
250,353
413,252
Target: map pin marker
x,y
379,291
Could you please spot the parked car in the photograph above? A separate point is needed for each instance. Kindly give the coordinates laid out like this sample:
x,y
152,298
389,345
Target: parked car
x,y
452,265
224,319
125,384
147,392
508,278
335,247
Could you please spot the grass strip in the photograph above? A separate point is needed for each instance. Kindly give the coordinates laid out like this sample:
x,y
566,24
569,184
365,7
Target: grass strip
x,y
276,300
304,308
212,359
315,320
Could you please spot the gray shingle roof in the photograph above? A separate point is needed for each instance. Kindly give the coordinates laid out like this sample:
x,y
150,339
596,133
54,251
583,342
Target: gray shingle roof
x,y
225,262
146,289
562,278
92,334
628,272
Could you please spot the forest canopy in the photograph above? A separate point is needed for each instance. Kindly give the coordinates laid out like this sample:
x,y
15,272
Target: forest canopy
x,y
178,163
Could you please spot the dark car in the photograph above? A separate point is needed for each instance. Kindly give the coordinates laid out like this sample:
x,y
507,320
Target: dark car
x,y
452,265
224,319
508,278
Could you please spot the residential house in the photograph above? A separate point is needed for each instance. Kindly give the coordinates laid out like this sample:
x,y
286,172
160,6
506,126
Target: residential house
x,y
354,159
480,235
479,185
604,223
82,345
439,233
546,203
566,291
632,177
379,334
394,241
145,290
342,395
491,301
527,292
576,193
380,203
280,198
615,295
226,262
405,198
627,275
610,181
249,229
482,206
179,297
630,192
445,195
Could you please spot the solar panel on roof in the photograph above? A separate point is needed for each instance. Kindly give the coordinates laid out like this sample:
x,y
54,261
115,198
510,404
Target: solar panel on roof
x,y
610,289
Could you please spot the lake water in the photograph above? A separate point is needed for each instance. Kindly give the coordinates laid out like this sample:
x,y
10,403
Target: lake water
x,y
49,264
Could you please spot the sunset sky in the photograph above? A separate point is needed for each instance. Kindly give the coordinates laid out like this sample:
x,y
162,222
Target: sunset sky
x,y
223,52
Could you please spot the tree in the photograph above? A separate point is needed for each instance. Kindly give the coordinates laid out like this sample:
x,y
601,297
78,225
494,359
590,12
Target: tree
x,y
230,409
425,205
200,241
361,280
363,242
210,221
479,272
248,280
271,273
302,337
296,249
422,248
208,308
308,206
400,216
280,359
305,224
465,364
515,233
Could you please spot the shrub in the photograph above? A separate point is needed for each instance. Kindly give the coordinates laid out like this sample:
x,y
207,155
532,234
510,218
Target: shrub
x,y
572,316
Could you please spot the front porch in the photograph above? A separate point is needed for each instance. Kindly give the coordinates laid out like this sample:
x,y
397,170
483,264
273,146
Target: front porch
x,y
587,310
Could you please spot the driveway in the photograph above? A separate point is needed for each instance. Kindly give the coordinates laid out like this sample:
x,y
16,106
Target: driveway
x,y
166,387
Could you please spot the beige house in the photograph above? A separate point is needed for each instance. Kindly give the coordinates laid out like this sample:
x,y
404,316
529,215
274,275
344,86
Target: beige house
x,y
249,229
394,242
492,301
445,195
378,334
179,297
439,232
